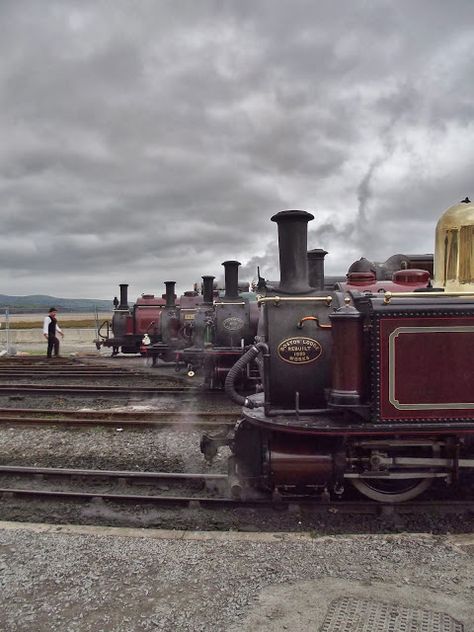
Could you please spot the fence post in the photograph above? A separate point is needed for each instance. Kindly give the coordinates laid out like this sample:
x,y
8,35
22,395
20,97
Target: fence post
x,y
7,329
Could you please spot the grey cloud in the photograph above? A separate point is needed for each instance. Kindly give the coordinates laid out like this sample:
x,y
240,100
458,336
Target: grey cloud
x,y
156,140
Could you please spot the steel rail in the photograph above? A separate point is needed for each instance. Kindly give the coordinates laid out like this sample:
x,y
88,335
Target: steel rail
x,y
95,418
82,389
41,361
110,413
136,498
112,474
315,504
334,506
43,373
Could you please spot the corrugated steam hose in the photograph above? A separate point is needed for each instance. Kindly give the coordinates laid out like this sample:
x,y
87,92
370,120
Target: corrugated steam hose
x,y
234,372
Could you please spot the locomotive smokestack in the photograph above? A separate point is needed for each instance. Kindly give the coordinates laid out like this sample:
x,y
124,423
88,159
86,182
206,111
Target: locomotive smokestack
x,y
170,285
208,289
316,268
293,244
123,296
231,269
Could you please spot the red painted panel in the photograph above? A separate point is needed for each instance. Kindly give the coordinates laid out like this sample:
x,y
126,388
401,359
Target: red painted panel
x,y
129,325
147,319
427,373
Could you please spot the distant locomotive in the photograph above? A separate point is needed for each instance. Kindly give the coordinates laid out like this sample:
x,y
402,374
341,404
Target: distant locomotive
x,y
130,324
207,333
223,327
363,388
175,329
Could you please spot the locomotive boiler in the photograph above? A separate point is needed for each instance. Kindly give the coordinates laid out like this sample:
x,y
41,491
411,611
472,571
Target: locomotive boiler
x,y
363,389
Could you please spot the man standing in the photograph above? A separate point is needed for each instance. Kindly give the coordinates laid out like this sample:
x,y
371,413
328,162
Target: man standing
x,y
50,329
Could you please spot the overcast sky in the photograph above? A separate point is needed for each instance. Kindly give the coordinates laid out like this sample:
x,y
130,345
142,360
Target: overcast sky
x,y
150,140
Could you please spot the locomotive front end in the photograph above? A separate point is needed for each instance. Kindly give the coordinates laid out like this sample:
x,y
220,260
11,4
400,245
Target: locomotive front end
x,y
296,327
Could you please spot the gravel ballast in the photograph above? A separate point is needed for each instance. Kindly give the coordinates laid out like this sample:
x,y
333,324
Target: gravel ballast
x,y
115,583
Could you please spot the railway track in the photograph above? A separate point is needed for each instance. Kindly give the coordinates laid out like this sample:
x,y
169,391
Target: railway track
x,y
80,372
50,417
115,486
93,390
85,371
35,361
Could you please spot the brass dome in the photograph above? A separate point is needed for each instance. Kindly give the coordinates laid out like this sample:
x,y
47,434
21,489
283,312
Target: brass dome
x,y
454,248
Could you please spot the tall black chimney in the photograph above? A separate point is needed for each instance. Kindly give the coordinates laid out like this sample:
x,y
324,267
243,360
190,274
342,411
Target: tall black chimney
x,y
123,296
170,293
208,289
316,268
231,271
293,244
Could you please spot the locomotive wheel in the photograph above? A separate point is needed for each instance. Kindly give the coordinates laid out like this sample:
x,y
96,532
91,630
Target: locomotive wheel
x,y
386,491
396,490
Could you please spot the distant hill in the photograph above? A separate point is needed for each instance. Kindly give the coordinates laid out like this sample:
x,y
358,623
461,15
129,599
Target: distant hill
x,y
41,303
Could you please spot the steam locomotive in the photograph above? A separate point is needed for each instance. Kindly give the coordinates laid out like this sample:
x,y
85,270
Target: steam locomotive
x,y
221,330
175,327
208,334
129,324
362,388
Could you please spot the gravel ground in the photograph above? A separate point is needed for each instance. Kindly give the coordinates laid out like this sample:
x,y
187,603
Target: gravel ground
x,y
161,449
112,583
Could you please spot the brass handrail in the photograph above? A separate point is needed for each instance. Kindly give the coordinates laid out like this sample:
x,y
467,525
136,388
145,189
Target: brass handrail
x,y
389,295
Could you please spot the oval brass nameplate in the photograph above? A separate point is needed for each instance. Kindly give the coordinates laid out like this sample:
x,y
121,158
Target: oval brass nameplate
x,y
299,350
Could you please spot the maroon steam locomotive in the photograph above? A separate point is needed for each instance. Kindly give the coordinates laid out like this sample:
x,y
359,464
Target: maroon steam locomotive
x,y
367,388
129,324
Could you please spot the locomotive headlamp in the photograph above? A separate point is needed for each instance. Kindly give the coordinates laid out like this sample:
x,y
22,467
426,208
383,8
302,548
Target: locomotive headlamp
x,y
146,340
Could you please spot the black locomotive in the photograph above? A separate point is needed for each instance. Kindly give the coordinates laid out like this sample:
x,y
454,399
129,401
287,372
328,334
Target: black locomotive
x,y
222,329
372,389
205,334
